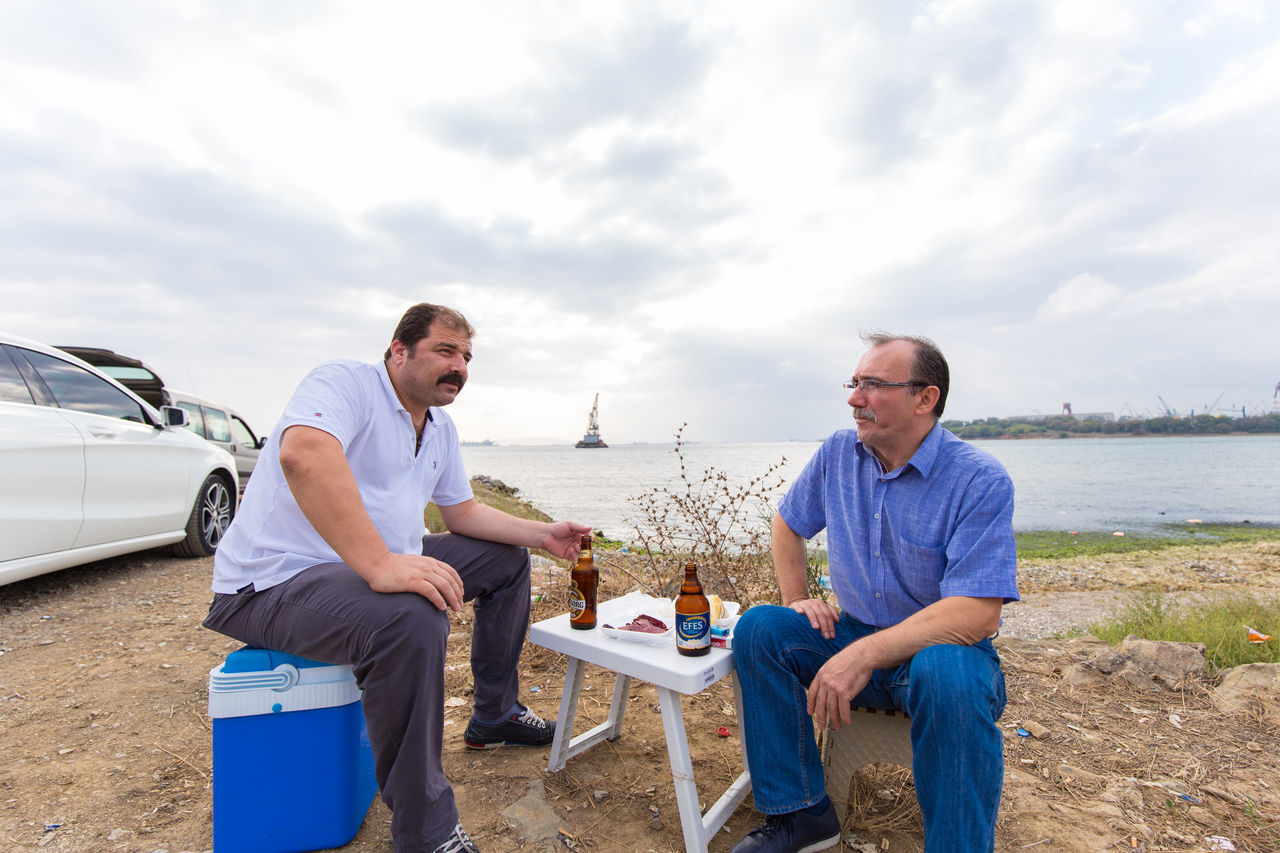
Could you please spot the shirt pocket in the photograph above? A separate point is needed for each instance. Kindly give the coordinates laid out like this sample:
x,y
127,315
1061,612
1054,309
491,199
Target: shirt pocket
x,y
921,568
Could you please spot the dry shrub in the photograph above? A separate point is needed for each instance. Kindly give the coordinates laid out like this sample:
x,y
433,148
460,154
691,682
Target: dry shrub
x,y
721,526
882,800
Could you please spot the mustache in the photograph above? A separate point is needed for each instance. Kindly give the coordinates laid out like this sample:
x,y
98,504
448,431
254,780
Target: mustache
x,y
866,415
453,378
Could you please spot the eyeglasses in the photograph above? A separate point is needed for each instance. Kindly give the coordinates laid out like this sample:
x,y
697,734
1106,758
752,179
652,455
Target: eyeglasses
x,y
868,386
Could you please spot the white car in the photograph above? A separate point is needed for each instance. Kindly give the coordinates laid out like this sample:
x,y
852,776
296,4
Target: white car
x,y
88,470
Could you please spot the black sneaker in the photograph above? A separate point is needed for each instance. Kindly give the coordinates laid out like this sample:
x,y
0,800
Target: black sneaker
x,y
796,832
458,842
523,728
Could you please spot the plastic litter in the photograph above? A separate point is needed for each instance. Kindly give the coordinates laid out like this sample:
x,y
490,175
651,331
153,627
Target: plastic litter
x,y
723,731
1256,636
1217,842
1023,733
1118,533
535,689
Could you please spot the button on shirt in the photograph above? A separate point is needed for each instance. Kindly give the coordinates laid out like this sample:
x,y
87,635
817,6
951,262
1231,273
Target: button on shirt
x,y
270,540
899,541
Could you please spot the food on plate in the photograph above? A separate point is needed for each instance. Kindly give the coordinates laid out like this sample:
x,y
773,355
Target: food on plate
x,y
717,608
644,624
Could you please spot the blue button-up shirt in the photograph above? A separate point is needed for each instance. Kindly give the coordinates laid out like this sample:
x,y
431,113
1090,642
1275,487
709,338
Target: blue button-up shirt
x,y
898,541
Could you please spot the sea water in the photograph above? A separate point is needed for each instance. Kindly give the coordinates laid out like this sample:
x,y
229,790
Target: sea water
x,y
1060,484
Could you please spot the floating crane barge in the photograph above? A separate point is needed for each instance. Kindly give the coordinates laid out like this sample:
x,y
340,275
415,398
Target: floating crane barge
x,y
592,437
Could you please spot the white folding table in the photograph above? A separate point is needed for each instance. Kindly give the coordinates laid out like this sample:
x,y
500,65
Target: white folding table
x,y
672,674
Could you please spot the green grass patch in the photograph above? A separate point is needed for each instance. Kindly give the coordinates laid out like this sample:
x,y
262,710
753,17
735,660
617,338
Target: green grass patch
x,y
490,493
1223,627
1050,544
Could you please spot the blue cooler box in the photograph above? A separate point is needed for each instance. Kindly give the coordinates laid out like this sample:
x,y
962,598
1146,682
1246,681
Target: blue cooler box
x,y
292,767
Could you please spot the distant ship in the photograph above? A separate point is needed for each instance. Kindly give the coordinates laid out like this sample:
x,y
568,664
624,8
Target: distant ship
x,y
592,438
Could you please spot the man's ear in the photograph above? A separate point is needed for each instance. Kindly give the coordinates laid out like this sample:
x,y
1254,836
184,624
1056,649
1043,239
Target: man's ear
x,y
927,400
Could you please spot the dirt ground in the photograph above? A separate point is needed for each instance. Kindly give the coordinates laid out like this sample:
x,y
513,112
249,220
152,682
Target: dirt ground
x,y
107,745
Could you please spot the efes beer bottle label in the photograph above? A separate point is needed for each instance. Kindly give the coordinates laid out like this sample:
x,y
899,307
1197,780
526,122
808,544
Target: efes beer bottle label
x,y
693,631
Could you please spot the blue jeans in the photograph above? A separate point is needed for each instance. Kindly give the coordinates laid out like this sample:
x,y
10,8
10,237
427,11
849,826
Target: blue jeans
x,y
954,695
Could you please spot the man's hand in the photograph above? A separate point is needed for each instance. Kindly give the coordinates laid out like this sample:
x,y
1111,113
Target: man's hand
x,y
435,581
834,687
822,616
564,539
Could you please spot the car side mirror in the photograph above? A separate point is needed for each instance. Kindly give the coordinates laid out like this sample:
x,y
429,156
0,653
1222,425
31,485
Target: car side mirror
x,y
262,442
173,416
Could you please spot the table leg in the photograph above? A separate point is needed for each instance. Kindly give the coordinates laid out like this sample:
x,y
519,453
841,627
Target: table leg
x,y
564,745
695,835
618,707
698,830
563,739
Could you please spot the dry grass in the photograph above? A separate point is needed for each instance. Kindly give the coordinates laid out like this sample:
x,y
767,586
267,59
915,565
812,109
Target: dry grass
x,y
721,526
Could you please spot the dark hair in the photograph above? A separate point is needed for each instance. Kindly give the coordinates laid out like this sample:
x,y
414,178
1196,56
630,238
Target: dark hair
x,y
416,324
928,367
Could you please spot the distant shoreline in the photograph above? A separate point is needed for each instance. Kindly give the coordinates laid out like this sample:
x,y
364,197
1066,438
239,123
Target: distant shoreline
x,y
1071,435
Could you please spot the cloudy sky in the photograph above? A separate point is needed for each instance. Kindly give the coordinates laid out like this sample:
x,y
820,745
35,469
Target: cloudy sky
x,y
692,209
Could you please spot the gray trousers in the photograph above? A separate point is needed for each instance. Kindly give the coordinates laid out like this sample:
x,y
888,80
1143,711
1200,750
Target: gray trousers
x,y
395,644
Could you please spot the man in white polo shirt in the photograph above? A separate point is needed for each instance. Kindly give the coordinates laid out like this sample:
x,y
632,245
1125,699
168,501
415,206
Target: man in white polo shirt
x,y
328,558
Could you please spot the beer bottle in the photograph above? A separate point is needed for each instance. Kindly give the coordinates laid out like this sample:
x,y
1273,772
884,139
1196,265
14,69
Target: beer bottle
x,y
583,580
693,615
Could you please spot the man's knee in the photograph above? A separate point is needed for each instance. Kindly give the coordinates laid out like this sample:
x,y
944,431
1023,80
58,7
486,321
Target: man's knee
x,y
760,626
411,621
515,556
960,677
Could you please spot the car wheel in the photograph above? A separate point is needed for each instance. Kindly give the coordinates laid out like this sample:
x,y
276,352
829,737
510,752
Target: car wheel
x,y
210,517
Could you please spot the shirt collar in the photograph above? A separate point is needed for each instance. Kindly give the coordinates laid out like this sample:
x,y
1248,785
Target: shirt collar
x,y
924,457
392,396
927,453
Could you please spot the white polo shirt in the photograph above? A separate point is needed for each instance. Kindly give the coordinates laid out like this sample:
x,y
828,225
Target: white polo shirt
x,y
270,540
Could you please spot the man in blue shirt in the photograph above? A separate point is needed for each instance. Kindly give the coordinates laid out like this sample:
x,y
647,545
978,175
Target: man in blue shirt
x,y
921,550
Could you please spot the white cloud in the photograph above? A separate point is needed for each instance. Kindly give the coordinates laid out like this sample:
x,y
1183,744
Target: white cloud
x,y
689,208
1085,295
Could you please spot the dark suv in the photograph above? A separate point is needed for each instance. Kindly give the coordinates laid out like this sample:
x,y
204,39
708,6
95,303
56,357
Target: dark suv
x,y
129,372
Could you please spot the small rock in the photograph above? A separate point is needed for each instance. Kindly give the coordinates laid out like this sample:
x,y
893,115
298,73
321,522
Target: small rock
x,y
1202,817
599,796
1245,687
1037,730
1075,774
1221,794
117,834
